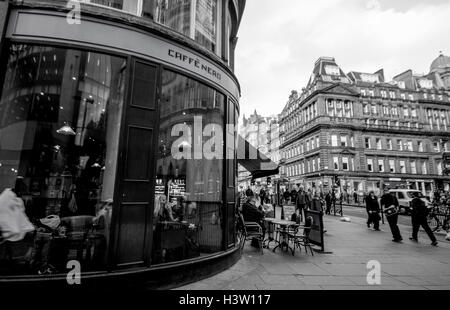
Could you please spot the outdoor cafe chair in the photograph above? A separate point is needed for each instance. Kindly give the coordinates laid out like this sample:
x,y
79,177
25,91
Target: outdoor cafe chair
x,y
302,238
249,231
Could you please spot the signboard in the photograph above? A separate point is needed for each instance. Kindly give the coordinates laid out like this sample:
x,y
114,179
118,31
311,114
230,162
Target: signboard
x,y
177,188
159,187
288,211
316,234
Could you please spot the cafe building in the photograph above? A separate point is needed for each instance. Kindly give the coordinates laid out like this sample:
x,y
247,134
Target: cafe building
x,y
113,136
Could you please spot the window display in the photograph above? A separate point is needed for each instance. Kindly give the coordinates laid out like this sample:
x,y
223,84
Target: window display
x,y
60,112
188,216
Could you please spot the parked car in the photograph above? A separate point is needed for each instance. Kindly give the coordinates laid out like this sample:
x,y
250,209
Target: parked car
x,y
405,196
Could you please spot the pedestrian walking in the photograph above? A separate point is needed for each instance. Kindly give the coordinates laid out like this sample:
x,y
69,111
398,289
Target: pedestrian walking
x,y
390,205
419,214
373,211
355,197
328,202
302,202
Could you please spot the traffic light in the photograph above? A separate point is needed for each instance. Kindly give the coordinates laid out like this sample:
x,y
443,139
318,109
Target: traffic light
x,y
269,180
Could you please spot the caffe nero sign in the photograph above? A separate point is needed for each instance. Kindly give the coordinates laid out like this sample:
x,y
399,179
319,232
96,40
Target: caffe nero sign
x,y
195,63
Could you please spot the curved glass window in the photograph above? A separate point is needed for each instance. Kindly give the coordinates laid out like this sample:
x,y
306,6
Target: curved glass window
x,y
188,219
60,112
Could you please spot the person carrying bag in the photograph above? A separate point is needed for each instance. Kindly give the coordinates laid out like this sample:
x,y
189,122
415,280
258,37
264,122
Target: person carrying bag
x,y
391,207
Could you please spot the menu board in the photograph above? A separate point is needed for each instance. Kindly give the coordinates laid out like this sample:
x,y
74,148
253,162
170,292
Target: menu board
x,y
288,211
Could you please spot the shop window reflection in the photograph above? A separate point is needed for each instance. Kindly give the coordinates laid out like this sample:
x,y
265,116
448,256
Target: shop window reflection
x,y
59,131
188,209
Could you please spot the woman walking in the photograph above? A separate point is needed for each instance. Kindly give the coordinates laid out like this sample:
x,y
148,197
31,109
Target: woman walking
x,y
373,211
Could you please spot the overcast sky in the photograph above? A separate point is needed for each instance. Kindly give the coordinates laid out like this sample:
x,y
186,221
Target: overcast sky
x,y
279,41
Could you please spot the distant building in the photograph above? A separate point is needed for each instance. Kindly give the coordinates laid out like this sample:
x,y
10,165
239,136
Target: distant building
x,y
367,132
263,134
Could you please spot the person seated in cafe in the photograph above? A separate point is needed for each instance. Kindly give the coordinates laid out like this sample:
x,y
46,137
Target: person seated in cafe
x,y
252,213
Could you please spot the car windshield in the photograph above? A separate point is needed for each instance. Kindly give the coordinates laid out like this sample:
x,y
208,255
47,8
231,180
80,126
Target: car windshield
x,y
412,194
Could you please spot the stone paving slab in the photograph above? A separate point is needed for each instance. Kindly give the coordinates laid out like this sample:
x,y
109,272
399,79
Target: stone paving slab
x,y
405,266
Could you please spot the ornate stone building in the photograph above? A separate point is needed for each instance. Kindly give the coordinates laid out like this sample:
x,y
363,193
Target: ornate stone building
x,y
368,132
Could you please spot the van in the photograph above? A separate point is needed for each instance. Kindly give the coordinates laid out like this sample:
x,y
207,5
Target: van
x,y
405,196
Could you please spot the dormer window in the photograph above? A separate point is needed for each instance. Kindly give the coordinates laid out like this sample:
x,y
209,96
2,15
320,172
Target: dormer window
x,y
332,70
425,83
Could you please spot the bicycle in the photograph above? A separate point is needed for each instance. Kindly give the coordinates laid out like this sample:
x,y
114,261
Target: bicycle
x,y
439,218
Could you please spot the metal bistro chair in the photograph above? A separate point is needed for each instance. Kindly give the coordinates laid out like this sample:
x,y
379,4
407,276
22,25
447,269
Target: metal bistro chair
x,y
302,239
250,230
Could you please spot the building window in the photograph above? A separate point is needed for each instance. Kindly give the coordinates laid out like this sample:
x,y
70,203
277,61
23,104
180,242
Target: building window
x,y
373,108
424,168
345,165
413,167
439,168
386,110
60,116
336,163
379,146
399,145
392,94
414,112
420,146
383,94
367,143
334,141
199,181
436,147
392,166
405,112
370,165
394,111
366,109
371,93
389,144
197,19
409,146
318,142
343,141
380,165
402,167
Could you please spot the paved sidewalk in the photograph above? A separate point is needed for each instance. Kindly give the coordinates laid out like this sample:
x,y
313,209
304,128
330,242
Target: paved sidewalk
x,y
404,266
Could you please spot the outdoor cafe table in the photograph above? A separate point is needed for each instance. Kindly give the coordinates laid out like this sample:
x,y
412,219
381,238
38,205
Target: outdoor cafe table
x,y
284,226
270,231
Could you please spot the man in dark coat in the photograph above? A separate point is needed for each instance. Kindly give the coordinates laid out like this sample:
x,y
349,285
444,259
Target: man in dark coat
x,y
251,212
419,214
390,204
328,201
302,202
373,211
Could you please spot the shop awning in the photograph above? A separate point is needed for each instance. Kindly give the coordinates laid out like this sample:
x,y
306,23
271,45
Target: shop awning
x,y
254,161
